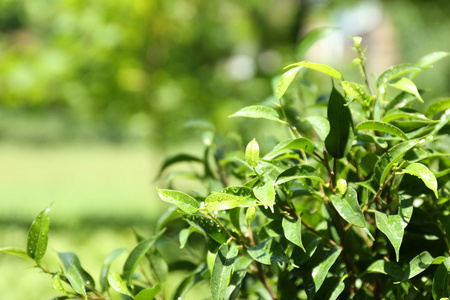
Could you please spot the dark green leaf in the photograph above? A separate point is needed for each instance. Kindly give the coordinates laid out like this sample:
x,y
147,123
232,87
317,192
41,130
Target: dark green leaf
x,y
268,252
70,260
257,112
148,294
285,81
348,207
185,202
223,265
265,193
319,272
136,255
441,280
318,67
386,267
312,37
252,153
383,127
17,252
299,143
418,264
424,174
394,72
105,268
299,172
208,227
393,227
118,284
293,231
222,201
340,138
37,237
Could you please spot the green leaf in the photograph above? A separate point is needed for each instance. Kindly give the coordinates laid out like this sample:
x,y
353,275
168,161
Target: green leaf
x,y
299,143
406,85
207,227
357,92
392,73
441,280
71,260
311,38
265,193
105,268
17,252
252,153
337,291
185,202
257,112
268,252
57,282
340,139
386,267
424,174
403,113
320,272
320,125
189,282
431,58
370,139
37,237
348,207
148,294
318,67
222,201
293,231
418,264
136,255
76,280
250,215
170,160
285,81
299,172
381,126
437,106
118,284
393,228
223,265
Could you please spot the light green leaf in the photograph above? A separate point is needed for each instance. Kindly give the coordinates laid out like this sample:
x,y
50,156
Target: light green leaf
x,y
392,73
252,153
406,85
268,252
441,280
348,207
299,143
393,228
136,255
318,67
76,280
312,37
148,294
293,231
17,252
381,126
431,58
386,267
185,202
299,172
340,139
337,291
424,174
250,215
285,81
57,282
357,92
222,201
223,265
105,268
418,264
170,160
189,282
37,237
320,125
257,112
437,106
395,114
118,284
265,193
320,272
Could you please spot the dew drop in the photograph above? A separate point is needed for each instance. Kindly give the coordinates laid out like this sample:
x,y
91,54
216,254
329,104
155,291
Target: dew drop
x,y
202,204
216,212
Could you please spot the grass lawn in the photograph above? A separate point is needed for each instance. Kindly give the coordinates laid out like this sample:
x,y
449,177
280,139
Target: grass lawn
x,y
97,193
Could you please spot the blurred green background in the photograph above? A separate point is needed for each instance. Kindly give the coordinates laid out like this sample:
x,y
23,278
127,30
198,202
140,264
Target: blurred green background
x,y
94,95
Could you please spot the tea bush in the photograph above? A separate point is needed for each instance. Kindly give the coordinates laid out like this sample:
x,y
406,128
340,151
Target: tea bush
x,y
353,205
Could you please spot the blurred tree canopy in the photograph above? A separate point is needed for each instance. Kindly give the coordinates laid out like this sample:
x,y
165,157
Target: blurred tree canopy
x,y
146,66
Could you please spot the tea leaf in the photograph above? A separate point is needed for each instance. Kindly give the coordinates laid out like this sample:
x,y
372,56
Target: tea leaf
x,y
406,85
293,231
105,268
266,193
76,280
148,294
250,215
17,252
37,237
441,280
393,228
424,174
299,143
386,267
185,202
268,252
437,106
392,73
285,81
71,260
357,92
252,153
340,138
318,67
381,126
418,264
223,265
207,227
176,159
319,272
189,282
222,201
299,172
402,113
348,207
431,58
257,112
118,284
320,125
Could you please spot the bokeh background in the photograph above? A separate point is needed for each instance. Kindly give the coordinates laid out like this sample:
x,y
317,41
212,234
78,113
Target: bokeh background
x,y
94,95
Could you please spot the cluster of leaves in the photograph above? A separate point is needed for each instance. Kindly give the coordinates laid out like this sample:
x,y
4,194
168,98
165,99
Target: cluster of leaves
x,y
353,205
